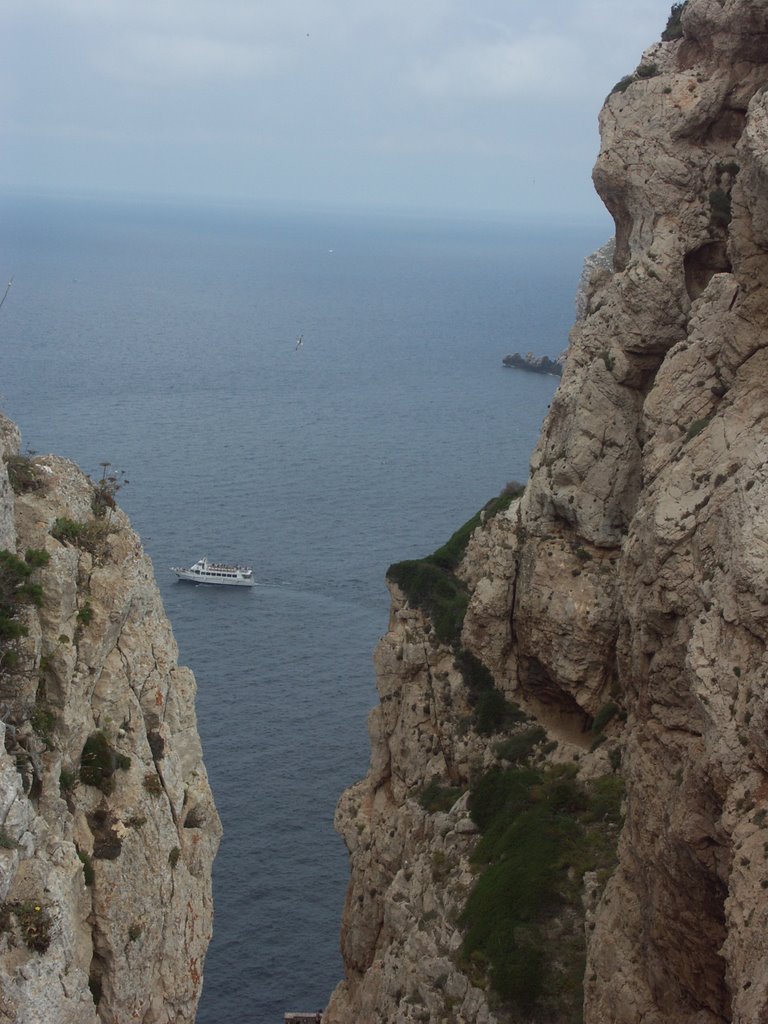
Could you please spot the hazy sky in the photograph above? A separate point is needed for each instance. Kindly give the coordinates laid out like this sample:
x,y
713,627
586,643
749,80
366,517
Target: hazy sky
x,y
467,105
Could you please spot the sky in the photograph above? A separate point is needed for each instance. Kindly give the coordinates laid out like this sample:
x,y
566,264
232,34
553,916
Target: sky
x,y
465,106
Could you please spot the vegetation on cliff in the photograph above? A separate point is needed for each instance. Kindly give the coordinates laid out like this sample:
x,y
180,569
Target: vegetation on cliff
x,y
431,583
87,672
542,831
630,599
674,26
16,590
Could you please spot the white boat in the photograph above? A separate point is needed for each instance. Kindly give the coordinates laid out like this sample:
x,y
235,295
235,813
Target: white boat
x,y
204,571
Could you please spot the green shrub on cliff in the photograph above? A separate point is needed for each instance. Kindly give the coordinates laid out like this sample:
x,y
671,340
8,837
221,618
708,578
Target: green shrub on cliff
x,y
88,535
434,797
491,711
719,208
15,585
435,591
603,717
99,762
521,745
623,84
16,590
430,583
89,873
542,829
647,70
67,530
696,428
27,921
674,28
450,554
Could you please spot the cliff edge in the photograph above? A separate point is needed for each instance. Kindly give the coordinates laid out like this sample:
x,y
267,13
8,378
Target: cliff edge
x,y
107,824
567,806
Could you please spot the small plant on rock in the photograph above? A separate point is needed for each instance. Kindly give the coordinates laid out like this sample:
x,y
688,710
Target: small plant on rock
x,y
33,921
623,84
719,208
696,427
42,721
89,874
67,530
85,614
7,842
608,360
23,474
106,489
603,717
431,583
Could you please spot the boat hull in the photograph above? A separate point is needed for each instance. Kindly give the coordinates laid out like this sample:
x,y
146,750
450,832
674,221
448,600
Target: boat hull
x,y
188,577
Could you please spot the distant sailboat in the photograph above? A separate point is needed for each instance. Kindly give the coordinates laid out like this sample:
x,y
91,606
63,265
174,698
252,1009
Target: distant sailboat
x,y
299,342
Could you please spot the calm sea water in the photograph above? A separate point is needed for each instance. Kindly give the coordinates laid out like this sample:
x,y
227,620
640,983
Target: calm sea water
x,y
163,340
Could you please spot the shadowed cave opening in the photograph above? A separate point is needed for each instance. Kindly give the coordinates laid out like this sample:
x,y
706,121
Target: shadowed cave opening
x,y
686,930
538,684
728,128
701,265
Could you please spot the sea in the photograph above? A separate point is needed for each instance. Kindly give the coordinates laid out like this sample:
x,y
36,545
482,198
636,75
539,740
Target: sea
x,y
316,393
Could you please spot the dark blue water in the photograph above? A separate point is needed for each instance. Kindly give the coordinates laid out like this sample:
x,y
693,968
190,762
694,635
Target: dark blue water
x,y
164,340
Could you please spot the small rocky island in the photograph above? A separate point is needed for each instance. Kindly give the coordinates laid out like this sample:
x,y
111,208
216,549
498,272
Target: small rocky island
x,y
534,364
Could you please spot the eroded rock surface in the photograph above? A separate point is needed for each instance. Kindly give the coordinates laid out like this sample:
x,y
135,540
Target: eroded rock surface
x,y
631,573
107,821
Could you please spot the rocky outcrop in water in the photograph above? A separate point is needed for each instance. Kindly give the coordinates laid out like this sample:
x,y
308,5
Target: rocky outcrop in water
x,y
621,603
534,364
107,825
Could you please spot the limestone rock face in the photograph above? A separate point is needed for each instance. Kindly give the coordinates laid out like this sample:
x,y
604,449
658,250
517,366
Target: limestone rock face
x,y
107,824
9,442
632,572
410,868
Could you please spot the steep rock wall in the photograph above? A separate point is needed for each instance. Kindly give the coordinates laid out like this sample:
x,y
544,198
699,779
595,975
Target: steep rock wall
x,y
107,824
631,576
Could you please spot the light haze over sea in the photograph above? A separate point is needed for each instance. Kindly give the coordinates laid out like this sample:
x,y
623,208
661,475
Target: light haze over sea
x,y
163,339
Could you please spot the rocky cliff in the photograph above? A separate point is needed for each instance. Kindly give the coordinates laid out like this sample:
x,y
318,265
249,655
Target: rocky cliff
x,y
107,824
603,633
